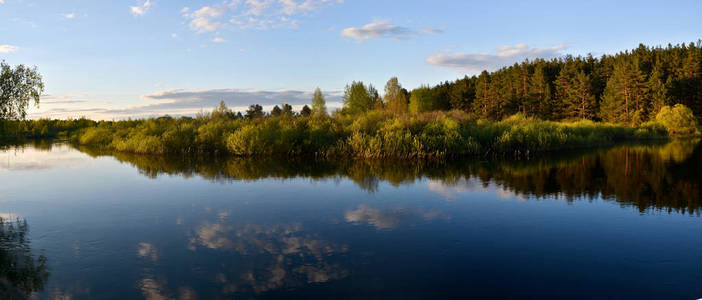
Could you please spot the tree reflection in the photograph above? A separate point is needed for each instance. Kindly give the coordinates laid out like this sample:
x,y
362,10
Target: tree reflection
x,y
659,176
21,274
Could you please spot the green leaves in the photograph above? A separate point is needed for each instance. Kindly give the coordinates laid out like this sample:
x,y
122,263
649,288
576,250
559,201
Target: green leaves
x,y
18,87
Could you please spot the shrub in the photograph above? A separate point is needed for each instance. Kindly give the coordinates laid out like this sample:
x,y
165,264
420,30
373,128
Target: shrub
x,y
679,120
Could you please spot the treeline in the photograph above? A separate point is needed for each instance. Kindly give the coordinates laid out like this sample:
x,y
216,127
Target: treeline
x,y
41,128
626,88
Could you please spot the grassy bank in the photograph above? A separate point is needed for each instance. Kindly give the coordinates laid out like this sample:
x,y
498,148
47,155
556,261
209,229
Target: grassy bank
x,y
375,134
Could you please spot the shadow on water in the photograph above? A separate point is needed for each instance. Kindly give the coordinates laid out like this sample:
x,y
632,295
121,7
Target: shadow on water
x,y
21,273
647,176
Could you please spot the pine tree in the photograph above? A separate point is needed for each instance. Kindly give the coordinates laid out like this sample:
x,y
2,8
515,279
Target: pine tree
x,y
566,92
484,96
582,103
462,94
287,110
276,111
623,97
539,93
657,90
254,111
306,111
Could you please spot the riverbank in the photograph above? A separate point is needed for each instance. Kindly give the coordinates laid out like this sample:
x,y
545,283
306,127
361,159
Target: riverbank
x,y
377,134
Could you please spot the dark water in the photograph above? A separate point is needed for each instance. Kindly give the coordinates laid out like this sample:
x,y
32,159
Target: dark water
x,y
616,223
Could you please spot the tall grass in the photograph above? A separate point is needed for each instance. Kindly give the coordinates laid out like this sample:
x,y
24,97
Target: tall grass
x,y
376,134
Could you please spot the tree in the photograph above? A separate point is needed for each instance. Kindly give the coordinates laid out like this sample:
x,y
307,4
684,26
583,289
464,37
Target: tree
x,y
566,94
539,90
425,99
276,111
581,103
319,106
254,111
657,91
485,96
395,97
462,93
18,87
622,101
306,111
287,110
222,111
358,98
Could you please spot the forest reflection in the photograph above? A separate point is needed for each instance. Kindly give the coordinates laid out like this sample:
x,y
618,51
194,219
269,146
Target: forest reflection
x,y
21,272
653,176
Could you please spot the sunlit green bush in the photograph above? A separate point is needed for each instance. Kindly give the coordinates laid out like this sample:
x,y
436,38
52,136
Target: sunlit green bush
x,y
679,120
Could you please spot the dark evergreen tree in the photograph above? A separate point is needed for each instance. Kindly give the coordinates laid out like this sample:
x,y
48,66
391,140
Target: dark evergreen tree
x,y
624,95
306,111
287,110
276,111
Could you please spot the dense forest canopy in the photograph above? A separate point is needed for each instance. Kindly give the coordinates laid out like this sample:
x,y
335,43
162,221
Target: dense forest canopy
x,y
626,88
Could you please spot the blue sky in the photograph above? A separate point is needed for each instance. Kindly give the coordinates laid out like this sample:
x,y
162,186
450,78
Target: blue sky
x,y
116,59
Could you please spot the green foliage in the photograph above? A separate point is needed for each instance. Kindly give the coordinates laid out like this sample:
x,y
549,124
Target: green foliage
x,y
41,128
375,134
395,97
425,99
319,106
625,88
678,120
358,98
254,111
18,86
624,99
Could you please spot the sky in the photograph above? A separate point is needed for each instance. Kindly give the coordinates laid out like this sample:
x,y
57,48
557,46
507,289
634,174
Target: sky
x,y
141,58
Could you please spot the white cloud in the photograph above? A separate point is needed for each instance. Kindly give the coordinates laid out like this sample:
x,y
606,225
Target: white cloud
x,y
383,29
258,7
207,19
431,31
2,1
185,10
140,10
502,56
253,14
218,40
69,15
291,7
174,35
8,48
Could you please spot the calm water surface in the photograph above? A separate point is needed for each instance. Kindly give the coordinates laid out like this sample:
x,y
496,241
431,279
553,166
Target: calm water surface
x,y
616,223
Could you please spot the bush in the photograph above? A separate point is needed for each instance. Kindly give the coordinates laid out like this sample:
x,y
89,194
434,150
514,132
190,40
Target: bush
x,y
374,134
679,120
